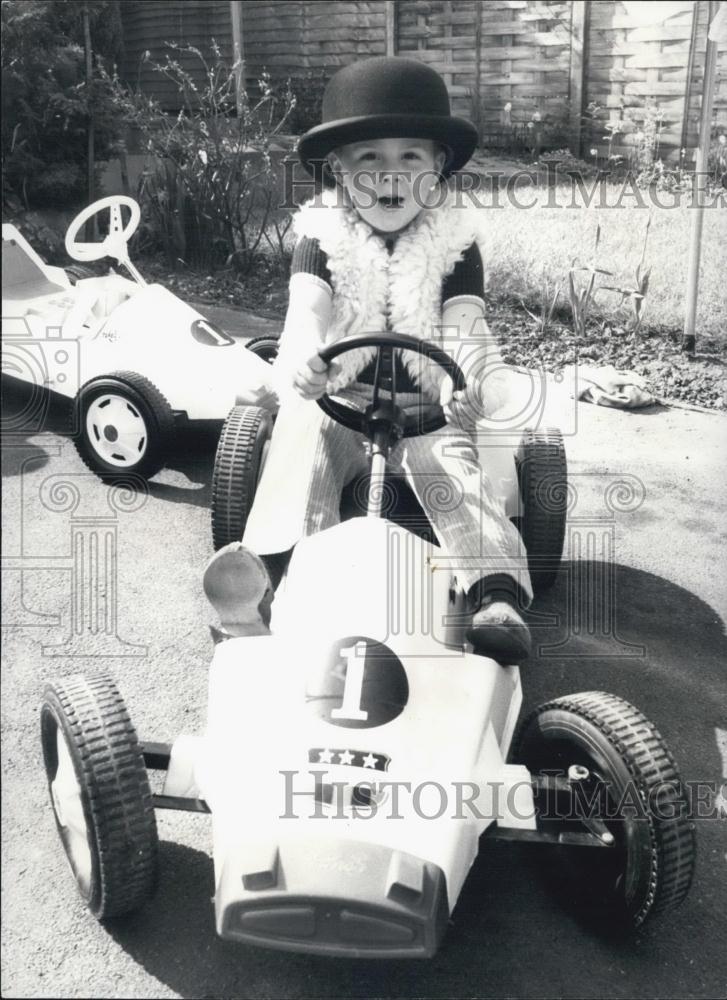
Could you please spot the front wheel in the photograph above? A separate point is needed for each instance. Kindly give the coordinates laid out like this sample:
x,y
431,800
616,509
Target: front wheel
x,y
239,462
124,425
633,790
100,794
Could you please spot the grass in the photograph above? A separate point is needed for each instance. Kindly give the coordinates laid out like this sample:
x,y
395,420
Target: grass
x,y
522,247
527,249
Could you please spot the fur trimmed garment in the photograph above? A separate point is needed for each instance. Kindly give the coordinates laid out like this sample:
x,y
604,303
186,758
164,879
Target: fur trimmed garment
x,y
376,291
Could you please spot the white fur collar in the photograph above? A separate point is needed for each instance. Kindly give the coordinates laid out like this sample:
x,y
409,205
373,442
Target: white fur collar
x,y
374,291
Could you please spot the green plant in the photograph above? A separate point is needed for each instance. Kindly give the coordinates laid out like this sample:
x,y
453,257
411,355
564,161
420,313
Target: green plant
x,y
549,293
636,295
718,155
582,293
645,160
210,192
47,102
275,235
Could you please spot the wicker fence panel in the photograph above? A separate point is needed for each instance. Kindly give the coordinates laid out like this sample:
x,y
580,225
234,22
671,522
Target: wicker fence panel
x,y
633,66
149,26
504,61
293,38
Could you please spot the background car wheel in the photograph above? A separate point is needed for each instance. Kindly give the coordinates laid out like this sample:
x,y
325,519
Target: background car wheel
x,y
543,480
124,425
239,462
265,347
79,272
100,794
634,788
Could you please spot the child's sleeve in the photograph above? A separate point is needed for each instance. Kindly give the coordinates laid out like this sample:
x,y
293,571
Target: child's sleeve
x,y
468,338
308,315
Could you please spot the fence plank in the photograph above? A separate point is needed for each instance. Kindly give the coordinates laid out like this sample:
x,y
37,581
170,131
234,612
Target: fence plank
x,y
533,53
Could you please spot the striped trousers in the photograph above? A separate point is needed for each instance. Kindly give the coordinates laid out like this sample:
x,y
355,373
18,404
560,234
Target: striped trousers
x,y
311,458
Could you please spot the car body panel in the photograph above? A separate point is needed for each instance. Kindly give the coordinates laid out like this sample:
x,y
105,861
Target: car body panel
x,y
289,751
60,336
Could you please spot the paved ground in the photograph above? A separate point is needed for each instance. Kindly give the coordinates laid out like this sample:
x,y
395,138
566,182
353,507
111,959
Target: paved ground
x,y
662,534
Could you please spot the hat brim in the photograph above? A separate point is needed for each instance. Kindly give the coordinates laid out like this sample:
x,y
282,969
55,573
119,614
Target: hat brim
x,y
459,135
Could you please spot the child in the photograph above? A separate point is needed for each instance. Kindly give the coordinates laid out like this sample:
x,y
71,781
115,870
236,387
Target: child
x,y
385,247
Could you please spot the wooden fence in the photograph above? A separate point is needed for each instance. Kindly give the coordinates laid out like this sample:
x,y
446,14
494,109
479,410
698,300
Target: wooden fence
x,y
504,61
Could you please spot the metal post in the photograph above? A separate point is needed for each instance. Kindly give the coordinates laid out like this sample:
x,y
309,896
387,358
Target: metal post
x,y
578,41
700,190
238,53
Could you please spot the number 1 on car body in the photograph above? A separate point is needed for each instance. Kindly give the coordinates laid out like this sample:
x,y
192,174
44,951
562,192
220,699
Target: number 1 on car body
x,y
355,657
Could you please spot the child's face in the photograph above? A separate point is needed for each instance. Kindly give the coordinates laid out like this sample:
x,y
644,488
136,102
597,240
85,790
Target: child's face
x,y
389,180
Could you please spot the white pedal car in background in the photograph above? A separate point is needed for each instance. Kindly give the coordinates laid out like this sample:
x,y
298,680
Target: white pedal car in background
x,y
135,359
358,757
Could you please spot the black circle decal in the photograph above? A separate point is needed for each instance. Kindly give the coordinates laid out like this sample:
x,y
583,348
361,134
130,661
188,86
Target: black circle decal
x,y
210,334
362,684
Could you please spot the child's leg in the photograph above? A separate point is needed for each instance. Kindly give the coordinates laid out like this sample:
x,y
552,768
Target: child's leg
x,y
457,496
311,458
470,522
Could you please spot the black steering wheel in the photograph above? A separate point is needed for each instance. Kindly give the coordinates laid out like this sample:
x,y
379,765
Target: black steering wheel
x,y
404,425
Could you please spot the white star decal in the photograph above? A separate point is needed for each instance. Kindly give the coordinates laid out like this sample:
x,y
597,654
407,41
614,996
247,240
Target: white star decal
x,y
345,757
369,760
325,757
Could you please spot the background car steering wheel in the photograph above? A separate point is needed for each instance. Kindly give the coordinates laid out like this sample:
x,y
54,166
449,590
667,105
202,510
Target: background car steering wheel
x,y
415,424
114,245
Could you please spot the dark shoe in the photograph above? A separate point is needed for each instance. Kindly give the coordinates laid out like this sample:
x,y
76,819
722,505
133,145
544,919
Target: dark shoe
x,y
238,587
497,630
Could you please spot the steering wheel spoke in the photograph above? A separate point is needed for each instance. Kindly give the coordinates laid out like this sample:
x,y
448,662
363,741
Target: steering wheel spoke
x,y
409,425
116,224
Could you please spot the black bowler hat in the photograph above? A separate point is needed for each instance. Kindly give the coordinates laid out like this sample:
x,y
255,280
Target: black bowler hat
x,y
382,98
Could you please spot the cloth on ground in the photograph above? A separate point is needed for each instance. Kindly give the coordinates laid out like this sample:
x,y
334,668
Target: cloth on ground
x,y
608,386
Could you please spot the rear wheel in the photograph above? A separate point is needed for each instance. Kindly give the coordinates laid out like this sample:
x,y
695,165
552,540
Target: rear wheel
x,y
633,790
543,480
100,794
124,425
239,462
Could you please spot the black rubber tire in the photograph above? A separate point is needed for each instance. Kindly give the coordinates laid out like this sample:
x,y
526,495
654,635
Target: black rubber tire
x,y
238,464
266,347
543,480
649,869
115,794
79,272
155,411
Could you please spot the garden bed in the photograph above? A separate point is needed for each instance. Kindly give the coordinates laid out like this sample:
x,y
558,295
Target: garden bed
x,y
654,352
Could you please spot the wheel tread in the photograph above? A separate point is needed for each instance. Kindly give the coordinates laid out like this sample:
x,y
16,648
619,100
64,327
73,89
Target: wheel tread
x,y
235,473
542,460
650,764
117,788
161,415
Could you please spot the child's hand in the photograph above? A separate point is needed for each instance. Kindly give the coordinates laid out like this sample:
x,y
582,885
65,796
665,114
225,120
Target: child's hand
x,y
312,377
463,407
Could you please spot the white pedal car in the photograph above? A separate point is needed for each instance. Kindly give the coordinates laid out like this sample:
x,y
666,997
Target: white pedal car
x,y
358,757
135,359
